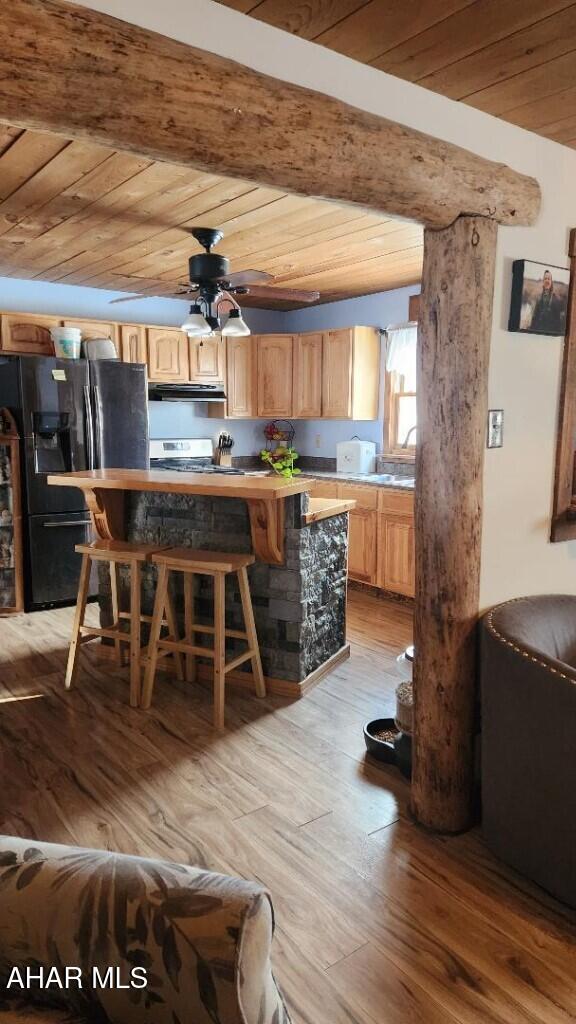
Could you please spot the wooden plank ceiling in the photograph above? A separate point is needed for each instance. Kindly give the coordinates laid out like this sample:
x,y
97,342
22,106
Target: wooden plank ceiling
x,y
515,59
83,214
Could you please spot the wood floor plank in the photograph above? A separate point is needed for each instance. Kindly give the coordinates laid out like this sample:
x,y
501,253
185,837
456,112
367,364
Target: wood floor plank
x,y
377,922
386,996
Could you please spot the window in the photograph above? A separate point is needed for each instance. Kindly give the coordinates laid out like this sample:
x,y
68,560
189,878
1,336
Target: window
x,y
400,392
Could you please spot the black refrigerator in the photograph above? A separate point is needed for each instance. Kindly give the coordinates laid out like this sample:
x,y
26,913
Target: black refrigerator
x,y
71,415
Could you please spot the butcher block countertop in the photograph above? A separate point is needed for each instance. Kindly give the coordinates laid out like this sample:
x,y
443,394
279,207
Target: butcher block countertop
x,y
264,488
325,508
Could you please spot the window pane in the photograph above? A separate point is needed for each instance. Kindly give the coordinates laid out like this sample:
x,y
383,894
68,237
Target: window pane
x,y
406,419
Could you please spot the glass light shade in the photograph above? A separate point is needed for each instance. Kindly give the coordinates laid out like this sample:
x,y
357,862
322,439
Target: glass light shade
x,y
196,323
235,325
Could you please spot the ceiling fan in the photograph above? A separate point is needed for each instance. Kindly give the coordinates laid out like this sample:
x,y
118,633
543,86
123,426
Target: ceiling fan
x,y
212,286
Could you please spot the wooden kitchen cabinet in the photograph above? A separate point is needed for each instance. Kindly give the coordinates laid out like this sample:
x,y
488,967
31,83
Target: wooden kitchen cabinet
x,y
168,360
241,377
351,373
362,554
133,343
207,360
381,533
396,554
307,376
336,376
25,333
325,489
92,329
274,354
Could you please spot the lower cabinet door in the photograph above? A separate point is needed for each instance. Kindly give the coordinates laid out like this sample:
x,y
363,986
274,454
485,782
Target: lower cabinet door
x,y
362,557
396,555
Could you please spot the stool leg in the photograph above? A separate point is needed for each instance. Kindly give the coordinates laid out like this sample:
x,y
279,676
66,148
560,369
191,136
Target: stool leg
x,y
114,587
219,649
74,651
155,629
135,630
174,632
189,624
250,627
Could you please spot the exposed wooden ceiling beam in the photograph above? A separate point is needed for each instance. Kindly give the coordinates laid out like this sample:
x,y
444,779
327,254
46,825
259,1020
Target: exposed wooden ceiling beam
x,y
85,75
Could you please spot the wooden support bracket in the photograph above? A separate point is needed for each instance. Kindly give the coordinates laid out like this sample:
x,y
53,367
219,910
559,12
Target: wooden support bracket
x,y
107,510
267,526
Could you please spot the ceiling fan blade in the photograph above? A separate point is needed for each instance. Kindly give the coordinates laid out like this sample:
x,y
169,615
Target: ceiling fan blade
x,y
248,277
284,294
159,294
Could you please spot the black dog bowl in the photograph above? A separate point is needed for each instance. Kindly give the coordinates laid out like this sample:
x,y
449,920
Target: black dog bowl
x,y
380,749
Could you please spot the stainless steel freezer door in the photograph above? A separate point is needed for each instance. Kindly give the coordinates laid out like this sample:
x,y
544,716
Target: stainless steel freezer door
x,y
120,412
54,564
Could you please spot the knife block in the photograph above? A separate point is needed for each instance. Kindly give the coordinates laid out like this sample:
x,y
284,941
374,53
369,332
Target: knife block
x,y
223,458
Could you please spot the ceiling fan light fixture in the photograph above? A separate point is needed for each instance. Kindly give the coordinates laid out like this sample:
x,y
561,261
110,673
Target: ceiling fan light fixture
x,y
195,323
235,325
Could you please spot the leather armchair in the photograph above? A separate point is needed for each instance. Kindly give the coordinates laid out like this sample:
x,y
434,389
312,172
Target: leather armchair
x,y
528,690
202,939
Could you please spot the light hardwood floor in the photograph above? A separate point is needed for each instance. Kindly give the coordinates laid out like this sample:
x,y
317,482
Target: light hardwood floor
x,y
377,922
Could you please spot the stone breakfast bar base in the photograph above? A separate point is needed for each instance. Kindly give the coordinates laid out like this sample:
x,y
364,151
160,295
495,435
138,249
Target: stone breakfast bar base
x,y
299,605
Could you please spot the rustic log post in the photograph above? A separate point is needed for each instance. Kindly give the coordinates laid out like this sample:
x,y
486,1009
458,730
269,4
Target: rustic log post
x,y
454,347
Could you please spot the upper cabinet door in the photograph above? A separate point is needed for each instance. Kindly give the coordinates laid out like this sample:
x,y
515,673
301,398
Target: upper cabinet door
x,y
133,343
207,360
337,374
23,333
168,356
92,329
241,377
307,386
275,375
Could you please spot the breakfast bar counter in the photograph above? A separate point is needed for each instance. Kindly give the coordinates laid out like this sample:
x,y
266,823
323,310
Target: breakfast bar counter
x,y
298,582
265,495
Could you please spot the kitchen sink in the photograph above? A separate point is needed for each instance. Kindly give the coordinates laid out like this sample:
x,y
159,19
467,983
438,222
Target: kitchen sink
x,y
384,478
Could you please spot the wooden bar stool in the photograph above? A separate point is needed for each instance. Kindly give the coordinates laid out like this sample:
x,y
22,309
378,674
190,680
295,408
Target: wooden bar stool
x,y
116,553
218,565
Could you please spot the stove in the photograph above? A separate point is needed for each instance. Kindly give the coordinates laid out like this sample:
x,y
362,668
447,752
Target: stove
x,y
187,455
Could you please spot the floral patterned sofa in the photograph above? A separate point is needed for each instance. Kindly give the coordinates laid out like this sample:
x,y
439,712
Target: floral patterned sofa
x,y
189,946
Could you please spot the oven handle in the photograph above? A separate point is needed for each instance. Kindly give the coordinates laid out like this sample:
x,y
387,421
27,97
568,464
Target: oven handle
x,y
68,522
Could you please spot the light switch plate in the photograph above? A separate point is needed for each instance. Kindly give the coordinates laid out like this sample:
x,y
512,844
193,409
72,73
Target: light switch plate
x,y
495,435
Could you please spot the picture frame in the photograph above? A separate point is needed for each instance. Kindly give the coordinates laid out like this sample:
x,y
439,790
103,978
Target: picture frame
x,y
539,298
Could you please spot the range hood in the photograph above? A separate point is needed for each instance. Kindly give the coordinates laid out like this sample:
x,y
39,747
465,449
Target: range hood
x,y
186,392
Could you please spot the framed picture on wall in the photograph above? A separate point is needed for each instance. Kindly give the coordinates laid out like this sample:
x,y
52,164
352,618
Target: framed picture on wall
x,y
539,299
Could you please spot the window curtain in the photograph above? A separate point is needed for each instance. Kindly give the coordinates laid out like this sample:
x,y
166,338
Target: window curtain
x,y
401,354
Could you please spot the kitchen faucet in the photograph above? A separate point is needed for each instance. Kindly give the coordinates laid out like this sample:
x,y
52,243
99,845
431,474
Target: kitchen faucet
x,y
407,438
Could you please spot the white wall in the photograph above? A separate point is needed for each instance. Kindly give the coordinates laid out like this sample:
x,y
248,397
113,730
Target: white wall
x,y
524,375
